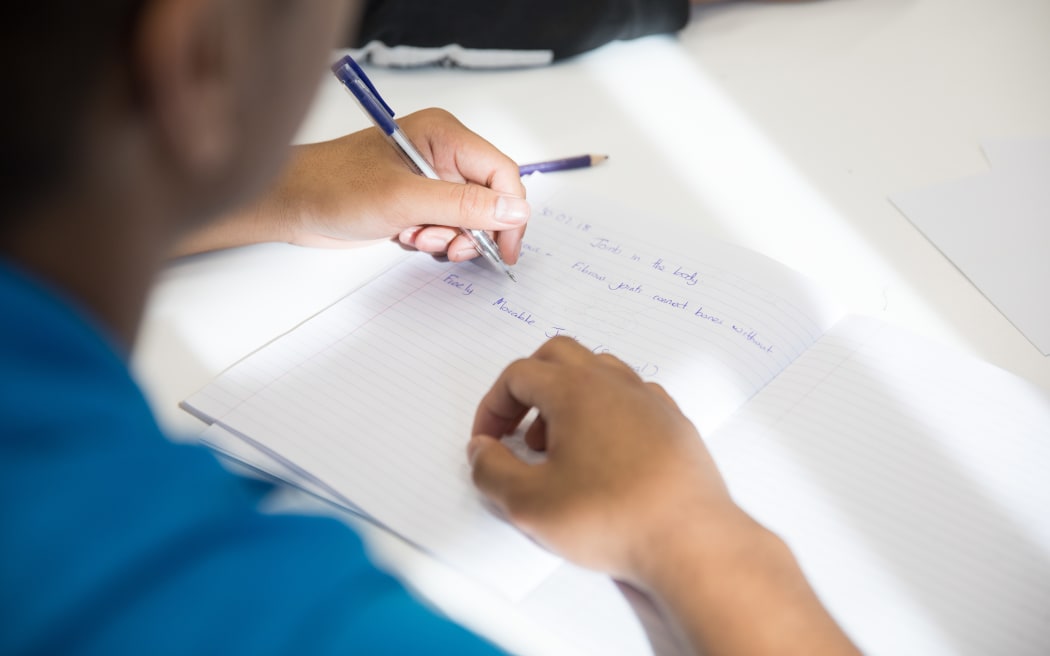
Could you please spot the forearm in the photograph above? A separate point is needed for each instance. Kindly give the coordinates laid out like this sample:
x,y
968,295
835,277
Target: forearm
x,y
269,218
356,189
239,228
734,587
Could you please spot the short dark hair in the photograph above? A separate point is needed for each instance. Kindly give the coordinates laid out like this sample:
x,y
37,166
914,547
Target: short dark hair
x,y
53,54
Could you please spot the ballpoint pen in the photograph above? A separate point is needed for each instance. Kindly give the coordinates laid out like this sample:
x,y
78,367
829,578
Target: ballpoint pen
x,y
361,88
566,164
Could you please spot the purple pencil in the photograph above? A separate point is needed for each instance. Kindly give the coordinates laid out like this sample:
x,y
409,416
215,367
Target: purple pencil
x,y
580,162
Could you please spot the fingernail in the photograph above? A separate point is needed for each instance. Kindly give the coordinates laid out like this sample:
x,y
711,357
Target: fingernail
x,y
511,210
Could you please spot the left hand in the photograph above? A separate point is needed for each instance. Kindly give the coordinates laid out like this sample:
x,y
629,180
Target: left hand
x,y
357,188
624,466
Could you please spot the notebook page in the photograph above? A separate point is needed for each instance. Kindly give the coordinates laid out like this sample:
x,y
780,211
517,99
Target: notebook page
x,y
381,411
239,451
253,373
912,483
585,609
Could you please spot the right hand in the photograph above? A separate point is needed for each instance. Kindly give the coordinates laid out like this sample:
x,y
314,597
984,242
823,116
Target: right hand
x,y
357,188
624,465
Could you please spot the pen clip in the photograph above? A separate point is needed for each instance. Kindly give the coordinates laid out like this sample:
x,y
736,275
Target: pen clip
x,y
356,82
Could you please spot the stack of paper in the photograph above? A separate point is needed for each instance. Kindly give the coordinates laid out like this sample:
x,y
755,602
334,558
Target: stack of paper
x,y
996,229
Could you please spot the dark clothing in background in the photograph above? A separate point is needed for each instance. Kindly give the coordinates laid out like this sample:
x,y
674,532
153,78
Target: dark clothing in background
x,y
485,34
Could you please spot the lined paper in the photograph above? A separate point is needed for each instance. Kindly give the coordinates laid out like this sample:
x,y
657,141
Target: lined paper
x,y
911,482
373,399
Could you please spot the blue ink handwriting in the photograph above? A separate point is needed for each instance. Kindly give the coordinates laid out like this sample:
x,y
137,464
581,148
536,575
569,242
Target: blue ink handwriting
x,y
453,280
752,336
604,244
520,315
586,270
627,287
701,314
681,305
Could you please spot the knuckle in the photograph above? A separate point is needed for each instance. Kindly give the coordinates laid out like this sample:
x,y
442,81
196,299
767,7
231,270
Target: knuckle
x,y
435,115
443,115
561,344
618,366
609,359
656,387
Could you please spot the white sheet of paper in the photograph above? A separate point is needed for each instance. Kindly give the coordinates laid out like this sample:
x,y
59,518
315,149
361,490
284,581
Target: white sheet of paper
x,y
911,483
374,398
1019,152
996,229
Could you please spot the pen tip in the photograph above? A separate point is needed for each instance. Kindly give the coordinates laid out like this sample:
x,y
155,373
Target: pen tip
x,y
511,274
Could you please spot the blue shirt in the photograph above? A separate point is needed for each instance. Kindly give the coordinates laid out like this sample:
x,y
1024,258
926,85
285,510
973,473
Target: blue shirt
x,y
116,540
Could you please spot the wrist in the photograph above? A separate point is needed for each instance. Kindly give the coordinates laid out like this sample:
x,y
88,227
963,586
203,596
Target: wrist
x,y
733,586
707,549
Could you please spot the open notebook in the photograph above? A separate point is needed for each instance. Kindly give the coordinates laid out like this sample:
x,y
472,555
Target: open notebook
x,y
910,480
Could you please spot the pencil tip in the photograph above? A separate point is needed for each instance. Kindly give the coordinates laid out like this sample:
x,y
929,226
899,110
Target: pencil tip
x,y
598,159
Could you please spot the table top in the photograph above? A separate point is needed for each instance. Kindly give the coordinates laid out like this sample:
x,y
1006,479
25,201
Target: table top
x,y
781,127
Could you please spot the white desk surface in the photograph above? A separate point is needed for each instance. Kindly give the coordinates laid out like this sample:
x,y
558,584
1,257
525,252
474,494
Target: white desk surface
x,y
782,128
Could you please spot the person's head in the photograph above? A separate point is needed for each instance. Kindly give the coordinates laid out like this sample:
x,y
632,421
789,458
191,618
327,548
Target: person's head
x,y
185,104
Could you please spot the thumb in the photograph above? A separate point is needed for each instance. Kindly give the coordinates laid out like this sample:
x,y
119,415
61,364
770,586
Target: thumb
x,y
470,206
498,473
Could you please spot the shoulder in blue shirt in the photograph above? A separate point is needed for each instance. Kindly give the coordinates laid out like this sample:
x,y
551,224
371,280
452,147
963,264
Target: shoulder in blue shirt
x,y
116,540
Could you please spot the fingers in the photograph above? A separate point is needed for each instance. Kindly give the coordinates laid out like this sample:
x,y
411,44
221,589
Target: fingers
x,y
662,393
462,248
565,350
461,155
509,242
537,382
536,435
522,385
440,202
424,202
492,198
442,240
498,473
356,188
613,444
449,206
562,349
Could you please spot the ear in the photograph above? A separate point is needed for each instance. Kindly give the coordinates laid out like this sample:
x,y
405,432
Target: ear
x,y
184,76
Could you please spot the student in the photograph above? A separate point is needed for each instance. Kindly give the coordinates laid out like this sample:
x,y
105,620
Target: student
x,y
485,34
126,125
